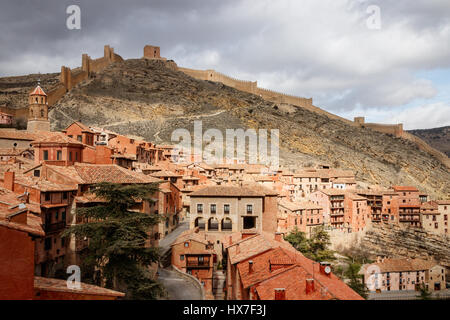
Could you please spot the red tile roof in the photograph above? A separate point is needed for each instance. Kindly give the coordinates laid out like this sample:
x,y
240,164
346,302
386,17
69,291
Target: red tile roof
x,y
95,173
430,205
54,137
261,267
49,284
38,91
83,173
293,281
190,235
403,265
9,205
333,192
33,225
295,206
404,188
260,188
43,184
252,247
17,135
226,191
83,127
247,248
165,173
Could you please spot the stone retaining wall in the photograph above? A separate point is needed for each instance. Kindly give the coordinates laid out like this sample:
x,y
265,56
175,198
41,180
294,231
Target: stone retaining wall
x,y
192,279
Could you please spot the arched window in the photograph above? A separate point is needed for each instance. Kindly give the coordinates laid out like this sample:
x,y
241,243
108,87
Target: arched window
x,y
200,223
42,113
213,224
227,224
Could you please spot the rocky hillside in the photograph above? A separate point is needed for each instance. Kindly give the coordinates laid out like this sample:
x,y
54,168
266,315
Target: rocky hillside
x,y
14,90
394,241
151,99
438,138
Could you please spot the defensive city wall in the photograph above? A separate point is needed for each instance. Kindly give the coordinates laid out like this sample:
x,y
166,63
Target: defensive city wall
x,y
252,87
394,129
70,78
397,130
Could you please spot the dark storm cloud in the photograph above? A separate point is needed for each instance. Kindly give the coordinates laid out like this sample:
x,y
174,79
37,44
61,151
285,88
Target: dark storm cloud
x,y
40,27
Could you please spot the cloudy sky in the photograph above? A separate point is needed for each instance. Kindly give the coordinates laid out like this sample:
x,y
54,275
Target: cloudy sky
x,y
392,69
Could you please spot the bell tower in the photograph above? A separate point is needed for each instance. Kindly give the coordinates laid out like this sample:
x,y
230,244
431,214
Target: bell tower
x,y
38,110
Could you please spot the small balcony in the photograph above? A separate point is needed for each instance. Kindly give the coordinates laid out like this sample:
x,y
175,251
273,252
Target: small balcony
x,y
195,263
54,227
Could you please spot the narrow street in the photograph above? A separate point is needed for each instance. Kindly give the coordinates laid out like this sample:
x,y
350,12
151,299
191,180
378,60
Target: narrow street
x,y
165,243
178,287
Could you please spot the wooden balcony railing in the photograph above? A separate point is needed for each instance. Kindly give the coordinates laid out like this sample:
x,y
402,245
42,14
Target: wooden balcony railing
x,y
54,227
197,264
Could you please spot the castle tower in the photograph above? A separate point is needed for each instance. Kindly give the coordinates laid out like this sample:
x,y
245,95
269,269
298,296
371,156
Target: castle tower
x,y
152,52
38,110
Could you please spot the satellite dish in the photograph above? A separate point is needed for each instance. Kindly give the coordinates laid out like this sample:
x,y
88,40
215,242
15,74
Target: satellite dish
x,y
327,269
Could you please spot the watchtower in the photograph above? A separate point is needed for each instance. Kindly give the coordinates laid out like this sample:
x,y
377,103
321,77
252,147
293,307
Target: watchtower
x,y
151,52
38,110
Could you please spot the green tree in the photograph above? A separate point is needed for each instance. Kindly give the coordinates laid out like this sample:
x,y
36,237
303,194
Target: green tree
x,y
356,280
117,252
298,240
424,293
315,248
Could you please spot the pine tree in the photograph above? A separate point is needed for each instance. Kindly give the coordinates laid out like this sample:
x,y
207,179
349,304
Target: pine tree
x,y
118,238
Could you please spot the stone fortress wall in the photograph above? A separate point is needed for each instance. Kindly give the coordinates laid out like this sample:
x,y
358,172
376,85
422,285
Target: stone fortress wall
x,y
394,129
70,78
266,94
397,130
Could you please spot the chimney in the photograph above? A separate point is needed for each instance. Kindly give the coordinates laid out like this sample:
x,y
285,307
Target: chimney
x,y
9,180
280,294
21,217
278,236
250,267
230,240
325,268
238,250
309,286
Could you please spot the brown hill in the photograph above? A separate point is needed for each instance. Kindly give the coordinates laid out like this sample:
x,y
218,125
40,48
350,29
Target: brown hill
x,y
149,98
438,138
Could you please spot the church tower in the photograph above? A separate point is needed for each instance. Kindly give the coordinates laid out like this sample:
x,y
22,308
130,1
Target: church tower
x,y
38,110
